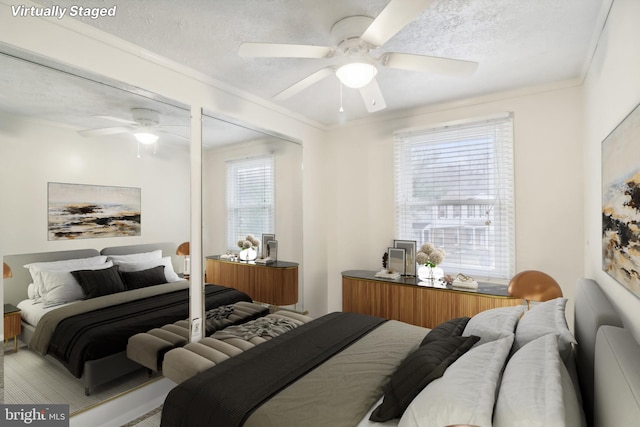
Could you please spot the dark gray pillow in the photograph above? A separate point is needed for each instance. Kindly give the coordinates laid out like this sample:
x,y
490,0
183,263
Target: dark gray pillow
x,y
96,283
424,365
142,279
450,328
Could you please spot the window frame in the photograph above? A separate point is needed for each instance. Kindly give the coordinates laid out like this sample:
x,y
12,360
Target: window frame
x,y
460,217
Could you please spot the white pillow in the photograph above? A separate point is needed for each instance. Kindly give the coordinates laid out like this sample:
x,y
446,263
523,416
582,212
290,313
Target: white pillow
x,y
32,291
132,258
536,389
169,273
493,324
546,318
466,393
61,287
35,268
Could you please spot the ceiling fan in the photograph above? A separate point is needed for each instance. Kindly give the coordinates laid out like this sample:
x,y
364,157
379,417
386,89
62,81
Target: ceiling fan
x,y
354,38
144,125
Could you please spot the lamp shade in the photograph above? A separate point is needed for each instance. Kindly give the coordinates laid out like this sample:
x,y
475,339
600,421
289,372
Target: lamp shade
x,y
6,271
356,74
183,249
533,285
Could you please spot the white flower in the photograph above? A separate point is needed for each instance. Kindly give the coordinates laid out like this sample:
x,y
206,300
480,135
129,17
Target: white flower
x,y
430,255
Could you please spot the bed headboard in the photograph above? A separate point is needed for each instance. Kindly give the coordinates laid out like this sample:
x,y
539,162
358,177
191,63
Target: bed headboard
x,y
15,288
168,249
617,378
598,357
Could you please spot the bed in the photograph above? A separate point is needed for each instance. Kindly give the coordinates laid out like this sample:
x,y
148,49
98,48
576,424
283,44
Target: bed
x,y
503,367
79,307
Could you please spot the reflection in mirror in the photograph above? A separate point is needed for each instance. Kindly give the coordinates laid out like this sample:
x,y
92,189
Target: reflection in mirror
x,y
63,125
237,158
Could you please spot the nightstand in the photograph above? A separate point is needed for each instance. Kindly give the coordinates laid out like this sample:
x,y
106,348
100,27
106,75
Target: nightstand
x,y
11,324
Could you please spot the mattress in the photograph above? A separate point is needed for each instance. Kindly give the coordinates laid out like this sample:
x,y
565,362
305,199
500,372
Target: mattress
x,y
32,311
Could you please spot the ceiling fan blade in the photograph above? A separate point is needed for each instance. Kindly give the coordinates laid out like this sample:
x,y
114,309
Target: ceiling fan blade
x,y
276,50
431,64
104,131
394,17
372,97
304,83
184,138
117,119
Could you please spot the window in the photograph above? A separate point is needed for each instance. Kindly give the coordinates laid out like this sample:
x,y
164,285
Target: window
x,y
454,188
250,198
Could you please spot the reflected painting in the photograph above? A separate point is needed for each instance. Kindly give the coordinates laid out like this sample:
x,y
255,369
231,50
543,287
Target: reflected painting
x,y
78,211
621,203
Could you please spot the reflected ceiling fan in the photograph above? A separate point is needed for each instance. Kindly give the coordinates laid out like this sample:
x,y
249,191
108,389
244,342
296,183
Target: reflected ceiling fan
x,y
354,38
144,126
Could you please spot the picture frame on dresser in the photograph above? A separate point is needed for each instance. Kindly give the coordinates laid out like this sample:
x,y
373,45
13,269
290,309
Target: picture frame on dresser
x,y
266,238
410,249
397,260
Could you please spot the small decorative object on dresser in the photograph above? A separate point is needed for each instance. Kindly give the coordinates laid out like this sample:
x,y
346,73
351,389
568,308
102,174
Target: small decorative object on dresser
x,y
429,257
248,248
409,247
397,260
266,238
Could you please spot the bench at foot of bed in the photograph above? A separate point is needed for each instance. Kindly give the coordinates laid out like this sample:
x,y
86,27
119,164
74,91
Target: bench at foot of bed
x,y
182,363
148,348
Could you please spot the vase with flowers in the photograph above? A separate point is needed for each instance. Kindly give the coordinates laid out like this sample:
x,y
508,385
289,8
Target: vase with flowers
x,y
248,248
429,257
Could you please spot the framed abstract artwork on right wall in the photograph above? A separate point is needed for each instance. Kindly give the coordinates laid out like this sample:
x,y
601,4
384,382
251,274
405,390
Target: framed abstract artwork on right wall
x,y
621,203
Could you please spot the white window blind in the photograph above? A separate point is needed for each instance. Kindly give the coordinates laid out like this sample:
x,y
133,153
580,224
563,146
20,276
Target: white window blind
x,y
454,188
250,198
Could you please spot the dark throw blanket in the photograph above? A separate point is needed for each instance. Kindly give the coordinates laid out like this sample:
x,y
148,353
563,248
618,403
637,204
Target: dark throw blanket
x,y
228,393
103,332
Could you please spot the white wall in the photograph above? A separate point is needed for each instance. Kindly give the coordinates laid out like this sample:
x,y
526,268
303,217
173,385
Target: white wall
x,y
35,153
612,90
548,174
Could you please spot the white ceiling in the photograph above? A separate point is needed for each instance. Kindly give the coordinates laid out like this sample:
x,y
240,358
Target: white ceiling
x,y
517,43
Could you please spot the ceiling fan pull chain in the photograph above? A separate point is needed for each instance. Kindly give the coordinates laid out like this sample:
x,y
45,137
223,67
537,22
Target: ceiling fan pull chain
x,y
340,109
138,149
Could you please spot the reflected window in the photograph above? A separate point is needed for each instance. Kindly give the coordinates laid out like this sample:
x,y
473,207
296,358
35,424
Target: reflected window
x,y
250,198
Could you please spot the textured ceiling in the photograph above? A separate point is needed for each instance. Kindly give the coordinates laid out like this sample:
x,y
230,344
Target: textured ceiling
x,y
517,43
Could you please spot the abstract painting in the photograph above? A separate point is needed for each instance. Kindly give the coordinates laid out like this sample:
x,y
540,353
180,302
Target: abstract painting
x,y
78,211
621,203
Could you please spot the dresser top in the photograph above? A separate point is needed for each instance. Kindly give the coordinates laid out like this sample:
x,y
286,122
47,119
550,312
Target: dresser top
x,y
276,264
490,289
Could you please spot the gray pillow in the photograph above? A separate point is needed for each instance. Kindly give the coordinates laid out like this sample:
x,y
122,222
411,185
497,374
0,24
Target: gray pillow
x,y
415,372
466,393
493,324
450,328
543,319
142,279
97,283
536,389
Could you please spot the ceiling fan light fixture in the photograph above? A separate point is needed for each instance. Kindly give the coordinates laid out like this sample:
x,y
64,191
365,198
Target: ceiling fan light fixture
x,y
146,137
356,74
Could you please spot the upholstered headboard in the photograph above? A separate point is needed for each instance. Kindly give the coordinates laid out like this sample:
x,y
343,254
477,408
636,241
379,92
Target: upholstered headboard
x,y
617,378
168,249
15,288
607,358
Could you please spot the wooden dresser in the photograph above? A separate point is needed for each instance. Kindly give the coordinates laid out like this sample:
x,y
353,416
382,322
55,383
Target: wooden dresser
x,y
404,300
275,283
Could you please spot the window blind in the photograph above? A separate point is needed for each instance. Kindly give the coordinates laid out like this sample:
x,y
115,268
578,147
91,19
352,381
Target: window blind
x,y
250,198
454,188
